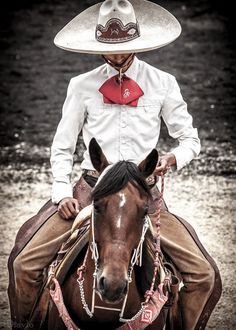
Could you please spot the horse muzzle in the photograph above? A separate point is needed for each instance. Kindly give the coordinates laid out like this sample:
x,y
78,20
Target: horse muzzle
x,y
112,289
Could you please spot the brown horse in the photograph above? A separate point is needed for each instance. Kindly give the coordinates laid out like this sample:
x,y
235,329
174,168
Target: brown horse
x,y
109,288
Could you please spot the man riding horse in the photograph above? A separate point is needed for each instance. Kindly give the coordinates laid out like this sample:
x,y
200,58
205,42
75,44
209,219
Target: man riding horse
x,y
121,104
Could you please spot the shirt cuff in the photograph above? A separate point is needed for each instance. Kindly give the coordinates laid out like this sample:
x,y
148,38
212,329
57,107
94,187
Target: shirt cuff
x,y
61,190
183,157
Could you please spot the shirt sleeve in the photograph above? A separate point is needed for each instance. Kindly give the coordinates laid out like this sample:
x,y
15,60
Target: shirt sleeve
x,y
180,126
64,144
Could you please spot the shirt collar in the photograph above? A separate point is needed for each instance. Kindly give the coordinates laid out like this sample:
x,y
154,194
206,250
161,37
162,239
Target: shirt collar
x,y
132,71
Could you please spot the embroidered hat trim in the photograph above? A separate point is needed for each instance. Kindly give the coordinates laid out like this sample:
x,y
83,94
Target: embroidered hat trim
x,y
115,31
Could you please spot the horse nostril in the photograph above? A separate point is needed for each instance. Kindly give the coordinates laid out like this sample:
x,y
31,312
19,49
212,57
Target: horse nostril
x,y
112,290
102,284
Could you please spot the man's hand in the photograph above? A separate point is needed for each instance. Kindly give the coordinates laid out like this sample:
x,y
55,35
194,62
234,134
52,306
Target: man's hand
x,y
165,163
68,208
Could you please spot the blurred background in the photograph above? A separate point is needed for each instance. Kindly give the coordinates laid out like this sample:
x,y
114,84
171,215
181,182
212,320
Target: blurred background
x,y
34,75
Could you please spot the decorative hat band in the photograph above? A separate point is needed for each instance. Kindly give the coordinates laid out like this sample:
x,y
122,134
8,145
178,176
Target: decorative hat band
x,y
115,31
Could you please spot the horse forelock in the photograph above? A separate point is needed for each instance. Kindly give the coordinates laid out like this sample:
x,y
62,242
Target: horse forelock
x,y
116,177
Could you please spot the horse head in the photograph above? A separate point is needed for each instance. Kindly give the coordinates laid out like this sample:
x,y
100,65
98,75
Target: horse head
x,y
120,204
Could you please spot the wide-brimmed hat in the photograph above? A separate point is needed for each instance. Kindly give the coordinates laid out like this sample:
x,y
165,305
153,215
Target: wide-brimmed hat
x,y
119,27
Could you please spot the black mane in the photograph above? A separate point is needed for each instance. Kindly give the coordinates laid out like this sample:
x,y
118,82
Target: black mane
x,y
118,177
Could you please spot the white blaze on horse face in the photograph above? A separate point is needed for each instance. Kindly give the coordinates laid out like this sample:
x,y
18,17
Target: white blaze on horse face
x,y
118,223
122,199
122,203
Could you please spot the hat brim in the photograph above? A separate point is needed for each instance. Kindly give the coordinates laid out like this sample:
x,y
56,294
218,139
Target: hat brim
x,y
158,27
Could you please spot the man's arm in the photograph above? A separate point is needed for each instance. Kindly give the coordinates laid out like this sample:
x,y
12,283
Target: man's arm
x,y
179,125
62,151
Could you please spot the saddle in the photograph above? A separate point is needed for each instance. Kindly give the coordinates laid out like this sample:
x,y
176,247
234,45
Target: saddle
x,y
70,249
81,191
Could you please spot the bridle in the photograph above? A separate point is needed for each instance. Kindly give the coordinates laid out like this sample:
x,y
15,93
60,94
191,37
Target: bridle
x,y
136,258
57,297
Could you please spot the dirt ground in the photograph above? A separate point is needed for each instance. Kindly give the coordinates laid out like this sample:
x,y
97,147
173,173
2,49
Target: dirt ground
x,y
34,75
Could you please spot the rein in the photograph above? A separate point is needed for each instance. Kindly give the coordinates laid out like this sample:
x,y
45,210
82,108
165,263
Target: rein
x,y
152,297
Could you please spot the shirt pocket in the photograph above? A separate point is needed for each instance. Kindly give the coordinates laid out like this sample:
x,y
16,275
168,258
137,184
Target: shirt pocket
x,y
95,107
147,108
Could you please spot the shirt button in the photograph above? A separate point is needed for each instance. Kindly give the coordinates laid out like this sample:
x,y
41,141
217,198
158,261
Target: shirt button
x,y
123,124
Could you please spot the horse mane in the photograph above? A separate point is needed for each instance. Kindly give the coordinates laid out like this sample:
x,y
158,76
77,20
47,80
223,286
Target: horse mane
x,y
117,177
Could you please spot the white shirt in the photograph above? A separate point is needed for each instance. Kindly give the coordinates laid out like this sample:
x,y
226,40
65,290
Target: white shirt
x,y
123,132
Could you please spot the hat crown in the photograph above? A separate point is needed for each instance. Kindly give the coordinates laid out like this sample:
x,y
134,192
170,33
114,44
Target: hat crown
x,y
116,9
116,22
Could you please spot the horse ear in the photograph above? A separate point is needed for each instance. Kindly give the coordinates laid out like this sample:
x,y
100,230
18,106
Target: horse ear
x,y
97,156
148,165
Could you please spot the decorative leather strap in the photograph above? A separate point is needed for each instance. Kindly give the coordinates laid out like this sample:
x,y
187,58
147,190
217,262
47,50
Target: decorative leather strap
x,y
150,313
57,297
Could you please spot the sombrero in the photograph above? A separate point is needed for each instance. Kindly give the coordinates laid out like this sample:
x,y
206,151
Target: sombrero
x,y
119,27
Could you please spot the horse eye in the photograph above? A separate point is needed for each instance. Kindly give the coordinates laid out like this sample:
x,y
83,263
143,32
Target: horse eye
x,y
99,206
96,208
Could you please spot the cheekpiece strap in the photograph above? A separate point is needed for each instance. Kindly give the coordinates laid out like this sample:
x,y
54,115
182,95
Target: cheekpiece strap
x,y
115,31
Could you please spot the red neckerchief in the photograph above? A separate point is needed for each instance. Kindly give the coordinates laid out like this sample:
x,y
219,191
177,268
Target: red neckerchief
x,y
121,89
